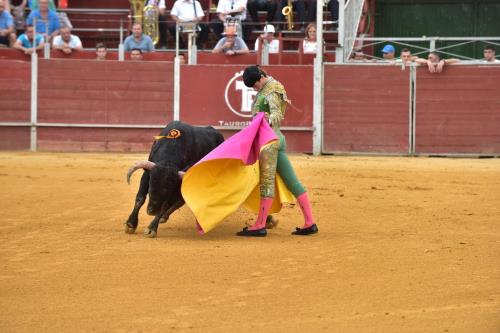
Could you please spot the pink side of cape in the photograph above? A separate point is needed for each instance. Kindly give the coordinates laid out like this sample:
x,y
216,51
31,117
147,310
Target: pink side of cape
x,y
246,144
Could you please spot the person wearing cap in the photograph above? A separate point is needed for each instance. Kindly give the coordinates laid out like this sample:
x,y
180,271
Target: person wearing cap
x,y
268,37
231,44
271,99
388,52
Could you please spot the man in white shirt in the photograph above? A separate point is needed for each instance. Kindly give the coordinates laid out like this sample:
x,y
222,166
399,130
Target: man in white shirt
x,y
189,15
66,42
489,53
227,9
268,37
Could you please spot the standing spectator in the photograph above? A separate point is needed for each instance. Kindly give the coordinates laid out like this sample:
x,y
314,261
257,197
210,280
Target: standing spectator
x,y
489,52
138,40
26,41
67,42
406,57
185,12
309,44
388,52
231,44
7,33
435,62
136,55
254,6
227,9
268,36
298,6
47,21
101,51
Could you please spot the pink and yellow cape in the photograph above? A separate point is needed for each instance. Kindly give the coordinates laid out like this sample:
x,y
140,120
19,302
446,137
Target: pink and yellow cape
x,y
228,177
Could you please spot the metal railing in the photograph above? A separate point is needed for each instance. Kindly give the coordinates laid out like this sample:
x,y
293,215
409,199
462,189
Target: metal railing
x,y
422,45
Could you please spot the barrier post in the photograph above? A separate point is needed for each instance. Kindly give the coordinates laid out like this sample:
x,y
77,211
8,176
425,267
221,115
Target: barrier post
x,y
34,100
318,82
121,49
177,87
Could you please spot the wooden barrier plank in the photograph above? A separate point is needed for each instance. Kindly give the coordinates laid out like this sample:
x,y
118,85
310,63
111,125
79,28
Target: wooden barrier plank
x,y
15,92
458,111
15,138
366,109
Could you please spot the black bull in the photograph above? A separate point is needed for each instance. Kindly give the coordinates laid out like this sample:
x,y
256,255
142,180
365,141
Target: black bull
x,y
178,147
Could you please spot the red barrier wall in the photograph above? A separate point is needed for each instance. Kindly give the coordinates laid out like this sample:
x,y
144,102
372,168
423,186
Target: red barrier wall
x,y
15,98
366,109
458,111
203,102
109,92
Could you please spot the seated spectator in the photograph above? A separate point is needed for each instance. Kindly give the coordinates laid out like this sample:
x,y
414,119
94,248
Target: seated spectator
x,y
333,7
268,37
406,57
388,52
67,42
489,52
309,44
45,20
235,10
26,41
435,62
188,15
231,44
7,32
254,6
33,4
138,40
136,55
101,51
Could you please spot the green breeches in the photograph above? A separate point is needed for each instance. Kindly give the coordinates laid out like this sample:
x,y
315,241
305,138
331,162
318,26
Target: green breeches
x,y
273,158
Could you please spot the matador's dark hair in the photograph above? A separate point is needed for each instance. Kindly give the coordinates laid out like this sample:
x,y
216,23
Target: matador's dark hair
x,y
253,74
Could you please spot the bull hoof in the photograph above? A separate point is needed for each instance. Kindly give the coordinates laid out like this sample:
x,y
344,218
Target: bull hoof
x,y
163,220
149,233
129,229
271,222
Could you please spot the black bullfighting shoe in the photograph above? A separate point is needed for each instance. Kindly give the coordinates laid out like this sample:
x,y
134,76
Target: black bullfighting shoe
x,y
252,233
306,231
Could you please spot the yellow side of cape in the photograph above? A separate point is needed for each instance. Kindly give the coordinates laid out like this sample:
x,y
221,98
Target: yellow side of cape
x,y
214,189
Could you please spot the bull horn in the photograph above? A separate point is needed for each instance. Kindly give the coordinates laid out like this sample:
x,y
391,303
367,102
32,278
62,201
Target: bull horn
x,y
148,165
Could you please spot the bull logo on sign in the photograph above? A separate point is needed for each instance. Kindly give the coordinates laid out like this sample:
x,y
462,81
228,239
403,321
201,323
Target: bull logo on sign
x,y
247,95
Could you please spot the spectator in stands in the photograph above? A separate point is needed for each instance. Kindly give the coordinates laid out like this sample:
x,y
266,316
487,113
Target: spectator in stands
x,y
406,57
162,21
7,32
388,52
67,42
333,7
435,62
227,10
254,6
45,20
26,41
489,52
138,40
231,44
298,5
188,16
309,44
33,4
268,37
359,56
101,51
136,55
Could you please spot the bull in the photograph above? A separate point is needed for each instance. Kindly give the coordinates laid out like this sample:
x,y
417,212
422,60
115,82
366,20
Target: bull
x,y
178,147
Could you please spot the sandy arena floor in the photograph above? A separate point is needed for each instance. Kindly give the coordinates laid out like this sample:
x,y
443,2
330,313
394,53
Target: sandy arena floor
x,y
405,245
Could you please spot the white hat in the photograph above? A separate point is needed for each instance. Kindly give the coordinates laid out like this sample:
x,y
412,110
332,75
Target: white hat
x,y
269,29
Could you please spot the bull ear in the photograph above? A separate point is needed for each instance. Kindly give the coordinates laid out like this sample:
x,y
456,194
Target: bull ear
x,y
181,174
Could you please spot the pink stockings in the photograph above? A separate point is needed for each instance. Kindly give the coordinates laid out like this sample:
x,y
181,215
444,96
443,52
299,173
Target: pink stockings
x,y
305,206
